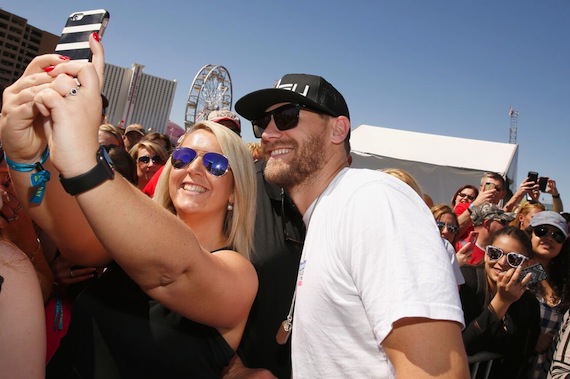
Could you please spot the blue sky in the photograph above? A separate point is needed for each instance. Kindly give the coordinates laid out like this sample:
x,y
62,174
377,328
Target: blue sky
x,y
449,67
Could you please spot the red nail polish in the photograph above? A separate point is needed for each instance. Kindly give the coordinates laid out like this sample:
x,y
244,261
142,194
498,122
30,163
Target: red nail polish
x,y
49,68
64,57
96,36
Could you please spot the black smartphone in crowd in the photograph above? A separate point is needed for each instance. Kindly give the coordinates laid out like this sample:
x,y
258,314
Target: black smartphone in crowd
x,y
533,176
542,183
74,40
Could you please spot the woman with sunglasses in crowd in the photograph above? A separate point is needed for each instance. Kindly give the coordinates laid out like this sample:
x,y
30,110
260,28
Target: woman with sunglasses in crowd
x,y
501,315
548,231
448,225
149,157
176,295
460,201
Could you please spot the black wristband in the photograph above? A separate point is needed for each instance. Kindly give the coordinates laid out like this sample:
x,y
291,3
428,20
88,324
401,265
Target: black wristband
x,y
556,196
102,171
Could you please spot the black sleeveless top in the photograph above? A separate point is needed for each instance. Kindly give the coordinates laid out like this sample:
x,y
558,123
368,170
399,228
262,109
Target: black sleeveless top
x,y
117,331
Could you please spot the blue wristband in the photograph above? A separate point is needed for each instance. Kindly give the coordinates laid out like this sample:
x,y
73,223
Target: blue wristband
x,y
38,179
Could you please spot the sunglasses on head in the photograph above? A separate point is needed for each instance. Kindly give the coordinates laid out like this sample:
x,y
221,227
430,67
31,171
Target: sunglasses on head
x,y
146,159
450,227
215,163
462,195
513,259
286,117
542,230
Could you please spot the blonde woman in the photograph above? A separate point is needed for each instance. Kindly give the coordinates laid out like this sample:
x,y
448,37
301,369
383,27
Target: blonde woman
x,y
149,157
177,292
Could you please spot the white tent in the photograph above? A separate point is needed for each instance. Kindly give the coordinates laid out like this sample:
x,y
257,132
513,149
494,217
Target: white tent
x,y
440,164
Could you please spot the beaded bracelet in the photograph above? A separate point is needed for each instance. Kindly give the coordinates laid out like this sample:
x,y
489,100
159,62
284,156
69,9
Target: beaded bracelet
x,y
38,179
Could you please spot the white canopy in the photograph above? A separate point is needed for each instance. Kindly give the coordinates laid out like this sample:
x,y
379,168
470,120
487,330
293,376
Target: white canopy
x,y
440,164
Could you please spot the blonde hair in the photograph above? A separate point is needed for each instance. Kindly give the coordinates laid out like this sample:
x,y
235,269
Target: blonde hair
x,y
255,149
407,178
524,209
239,223
439,210
114,131
150,146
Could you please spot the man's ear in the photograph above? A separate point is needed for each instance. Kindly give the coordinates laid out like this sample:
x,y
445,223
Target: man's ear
x,y
340,130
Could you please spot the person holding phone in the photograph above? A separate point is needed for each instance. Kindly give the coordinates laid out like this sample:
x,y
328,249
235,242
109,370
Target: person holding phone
x,y
492,189
549,232
173,301
501,315
531,188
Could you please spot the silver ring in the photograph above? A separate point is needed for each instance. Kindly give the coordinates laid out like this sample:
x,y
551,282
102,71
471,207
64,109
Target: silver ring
x,y
73,91
71,275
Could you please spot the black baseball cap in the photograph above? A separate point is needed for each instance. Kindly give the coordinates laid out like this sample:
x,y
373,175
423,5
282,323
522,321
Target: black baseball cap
x,y
310,90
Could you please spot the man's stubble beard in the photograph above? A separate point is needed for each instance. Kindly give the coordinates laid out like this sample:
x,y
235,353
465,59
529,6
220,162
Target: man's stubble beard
x,y
309,158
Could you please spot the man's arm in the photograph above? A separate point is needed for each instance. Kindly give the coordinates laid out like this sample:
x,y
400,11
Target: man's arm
x,y
424,348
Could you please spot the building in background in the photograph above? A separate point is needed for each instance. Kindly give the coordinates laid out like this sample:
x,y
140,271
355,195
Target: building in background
x,y
19,44
134,97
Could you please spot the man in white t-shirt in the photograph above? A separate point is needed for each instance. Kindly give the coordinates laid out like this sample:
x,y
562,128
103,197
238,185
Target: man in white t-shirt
x,y
375,296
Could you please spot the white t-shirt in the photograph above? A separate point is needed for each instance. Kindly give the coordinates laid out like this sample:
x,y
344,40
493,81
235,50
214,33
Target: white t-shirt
x,y
454,264
372,255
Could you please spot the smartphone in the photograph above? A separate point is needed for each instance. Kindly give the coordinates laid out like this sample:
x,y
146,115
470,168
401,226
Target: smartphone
x,y
542,183
472,238
533,176
74,40
537,271
489,186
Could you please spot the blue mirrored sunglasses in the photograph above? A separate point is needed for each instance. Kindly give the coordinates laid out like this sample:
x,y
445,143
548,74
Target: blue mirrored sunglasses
x,y
216,164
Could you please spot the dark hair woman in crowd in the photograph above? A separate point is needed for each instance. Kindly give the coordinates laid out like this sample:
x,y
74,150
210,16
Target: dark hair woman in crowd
x,y
549,231
501,315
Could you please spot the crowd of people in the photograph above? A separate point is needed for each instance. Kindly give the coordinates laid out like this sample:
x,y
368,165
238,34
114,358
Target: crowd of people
x,y
209,257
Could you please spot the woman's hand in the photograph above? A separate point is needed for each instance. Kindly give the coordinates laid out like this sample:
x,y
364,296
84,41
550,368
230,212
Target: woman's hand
x,y
72,104
527,186
551,187
509,288
464,254
21,123
65,273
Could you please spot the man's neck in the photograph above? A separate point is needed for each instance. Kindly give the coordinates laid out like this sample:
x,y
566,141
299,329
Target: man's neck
x,y
306,192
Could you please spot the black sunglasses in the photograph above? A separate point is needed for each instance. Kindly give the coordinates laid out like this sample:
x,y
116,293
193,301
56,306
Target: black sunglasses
x,y
450,227
513,259
286,117
146,159
542,230
216,164
466,195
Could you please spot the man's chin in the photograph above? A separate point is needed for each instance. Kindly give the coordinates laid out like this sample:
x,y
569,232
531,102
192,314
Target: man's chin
x,y
277,172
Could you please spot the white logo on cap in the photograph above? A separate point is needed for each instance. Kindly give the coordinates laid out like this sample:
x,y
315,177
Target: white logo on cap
x,y
293,87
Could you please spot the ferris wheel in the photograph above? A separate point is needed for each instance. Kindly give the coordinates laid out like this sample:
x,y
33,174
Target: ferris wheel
x,y
211,90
